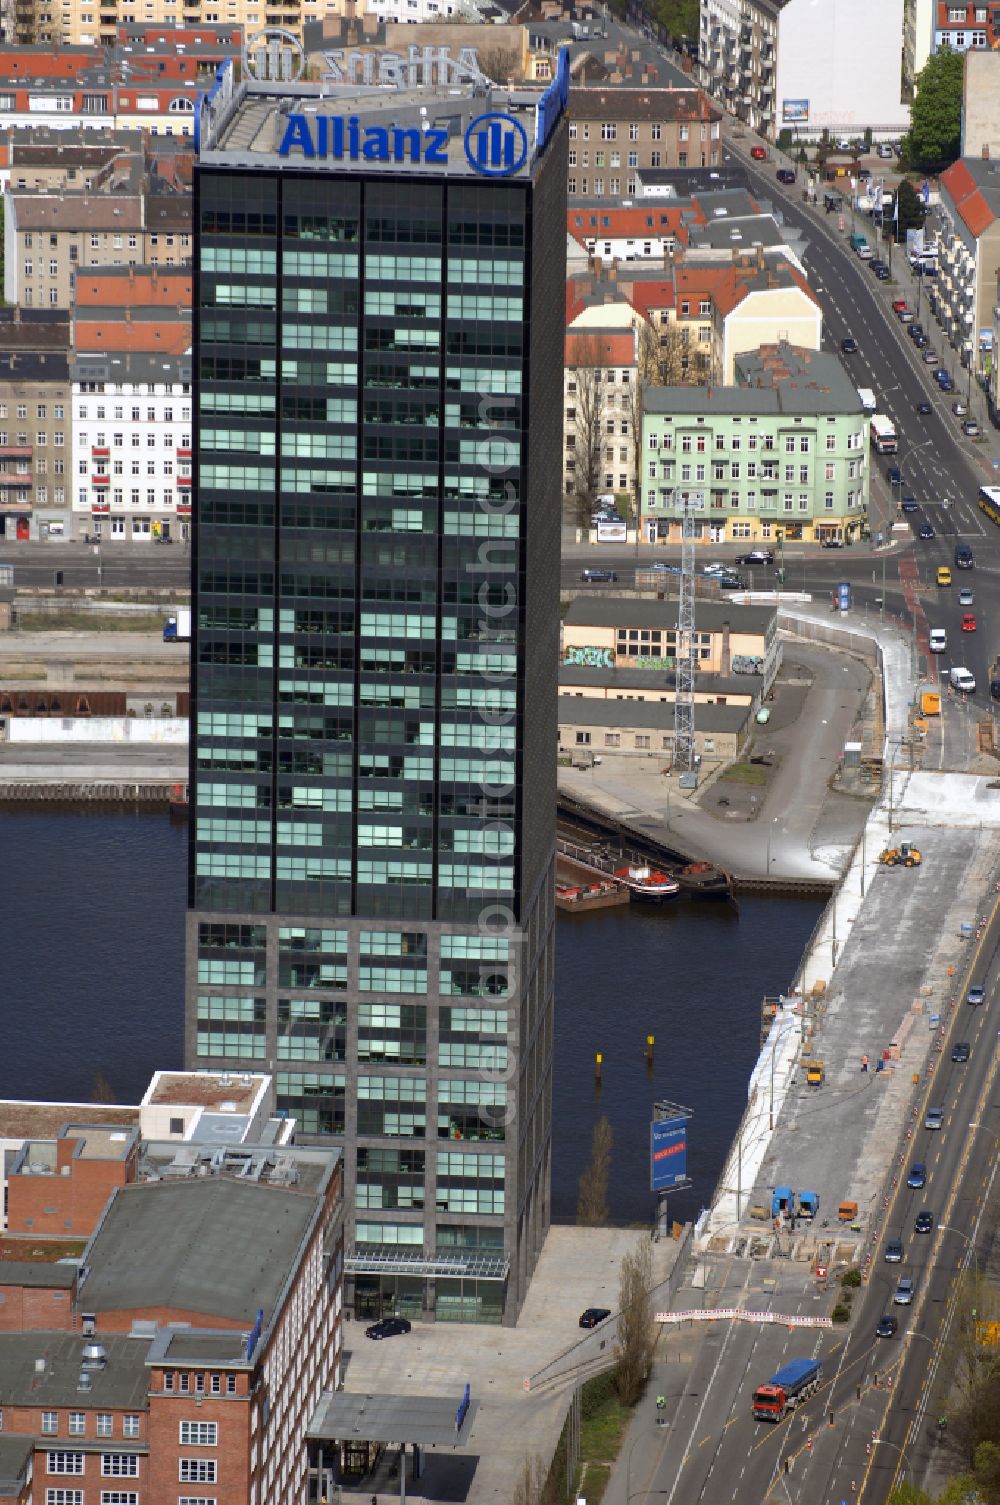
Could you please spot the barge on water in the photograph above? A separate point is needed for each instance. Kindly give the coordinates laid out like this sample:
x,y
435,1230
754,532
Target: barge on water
x,y
601,844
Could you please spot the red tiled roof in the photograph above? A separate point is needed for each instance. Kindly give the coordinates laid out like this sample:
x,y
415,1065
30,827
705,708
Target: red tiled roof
x,y
958,180
590,347
636,223
976,213
646,295
146,338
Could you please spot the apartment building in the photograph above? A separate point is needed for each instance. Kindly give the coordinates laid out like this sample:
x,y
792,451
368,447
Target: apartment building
x,y
784,450
601,406
966,25
615,132
792,64
35,427
96,22
132,431
968,241
86,86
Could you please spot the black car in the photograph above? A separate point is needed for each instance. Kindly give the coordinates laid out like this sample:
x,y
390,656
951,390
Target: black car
x,y
849,346
921,342
598,577
756,556
924,407
909,504
864,173
882,273
961,1051
915,330
926,531
594,1315
894,1251
389,1327
894,475
731,582
924,1222
888,1327
995,689
785,175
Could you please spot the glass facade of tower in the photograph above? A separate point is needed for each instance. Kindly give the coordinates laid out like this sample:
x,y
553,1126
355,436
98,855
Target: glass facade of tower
x,y
378,400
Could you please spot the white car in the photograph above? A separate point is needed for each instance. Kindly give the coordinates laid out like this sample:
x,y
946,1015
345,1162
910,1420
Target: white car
x,y
966,597
962,680
938,640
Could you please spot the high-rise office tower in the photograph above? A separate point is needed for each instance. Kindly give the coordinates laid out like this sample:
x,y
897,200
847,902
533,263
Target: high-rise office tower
x,y
378,366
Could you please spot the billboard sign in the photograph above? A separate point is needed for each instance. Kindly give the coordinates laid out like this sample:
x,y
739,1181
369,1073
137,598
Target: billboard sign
x,y
667,1153
843,595
795,109
612,532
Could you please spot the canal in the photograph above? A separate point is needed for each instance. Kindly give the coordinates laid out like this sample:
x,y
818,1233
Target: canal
x,y
93,924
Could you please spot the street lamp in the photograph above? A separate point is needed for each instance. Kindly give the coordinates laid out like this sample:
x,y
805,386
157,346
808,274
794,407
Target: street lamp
x,y
772,824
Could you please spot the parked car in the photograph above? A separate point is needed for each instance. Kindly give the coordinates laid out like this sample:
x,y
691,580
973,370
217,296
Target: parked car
x,y
759,153
921,342
882,273
961,1051
976,995
914,330
594,1315
785,175
918,1174
941,374
894,1251
864,173
946,384
389,1327
934,1118
930,358
849,345
598,577
899,305
970,428
888,1326
731,582
904,1292
885,151
906,316
923,1222
959,408
995,693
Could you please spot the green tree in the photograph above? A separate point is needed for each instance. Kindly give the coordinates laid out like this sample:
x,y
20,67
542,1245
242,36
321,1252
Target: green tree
x,y
934,139
911,210
679,17
908,1494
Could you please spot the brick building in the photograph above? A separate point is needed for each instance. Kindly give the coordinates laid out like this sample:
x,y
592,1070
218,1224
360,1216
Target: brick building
x,y
177,1350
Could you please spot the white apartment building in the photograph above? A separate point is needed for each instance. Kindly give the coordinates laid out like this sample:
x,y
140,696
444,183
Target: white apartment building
x,y
808,67
132,446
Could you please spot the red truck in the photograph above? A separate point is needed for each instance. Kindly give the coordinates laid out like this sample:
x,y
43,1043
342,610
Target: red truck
x,y
793,1383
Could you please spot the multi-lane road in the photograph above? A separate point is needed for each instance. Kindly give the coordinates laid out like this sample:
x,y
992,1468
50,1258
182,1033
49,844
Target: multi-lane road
x,y
876,1413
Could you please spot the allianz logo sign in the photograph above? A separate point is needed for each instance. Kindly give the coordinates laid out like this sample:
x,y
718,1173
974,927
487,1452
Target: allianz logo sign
x,y
496,145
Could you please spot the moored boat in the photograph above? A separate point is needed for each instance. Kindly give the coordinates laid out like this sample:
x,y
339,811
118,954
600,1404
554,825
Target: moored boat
x,y
647,883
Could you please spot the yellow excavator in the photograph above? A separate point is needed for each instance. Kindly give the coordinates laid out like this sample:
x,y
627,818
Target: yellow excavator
x,y
904,855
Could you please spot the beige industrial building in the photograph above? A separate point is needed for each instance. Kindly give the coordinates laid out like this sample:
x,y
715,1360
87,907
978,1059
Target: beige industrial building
x,y
634,728
632,632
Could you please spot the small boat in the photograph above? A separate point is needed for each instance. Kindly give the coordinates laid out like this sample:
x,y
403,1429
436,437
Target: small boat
x,y
647,883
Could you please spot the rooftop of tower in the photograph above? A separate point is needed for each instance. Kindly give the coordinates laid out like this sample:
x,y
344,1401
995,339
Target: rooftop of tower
x,y
472,128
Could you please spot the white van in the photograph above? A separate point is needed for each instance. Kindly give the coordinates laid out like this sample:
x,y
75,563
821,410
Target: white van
x,y
962,679
938,640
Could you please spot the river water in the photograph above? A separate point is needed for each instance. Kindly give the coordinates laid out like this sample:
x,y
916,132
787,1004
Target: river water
x,y
93,950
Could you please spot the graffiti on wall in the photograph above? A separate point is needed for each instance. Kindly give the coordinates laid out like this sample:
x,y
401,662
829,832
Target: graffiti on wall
x,y
747,663
590,658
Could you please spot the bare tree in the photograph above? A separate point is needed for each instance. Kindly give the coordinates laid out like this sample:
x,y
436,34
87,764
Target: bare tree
x,y
649,373
585,395
592,1201
634,1351
499,63
102,1090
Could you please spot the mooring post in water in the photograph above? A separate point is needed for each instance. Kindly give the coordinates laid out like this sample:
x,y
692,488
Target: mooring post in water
x,y
598,1063
650,1042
